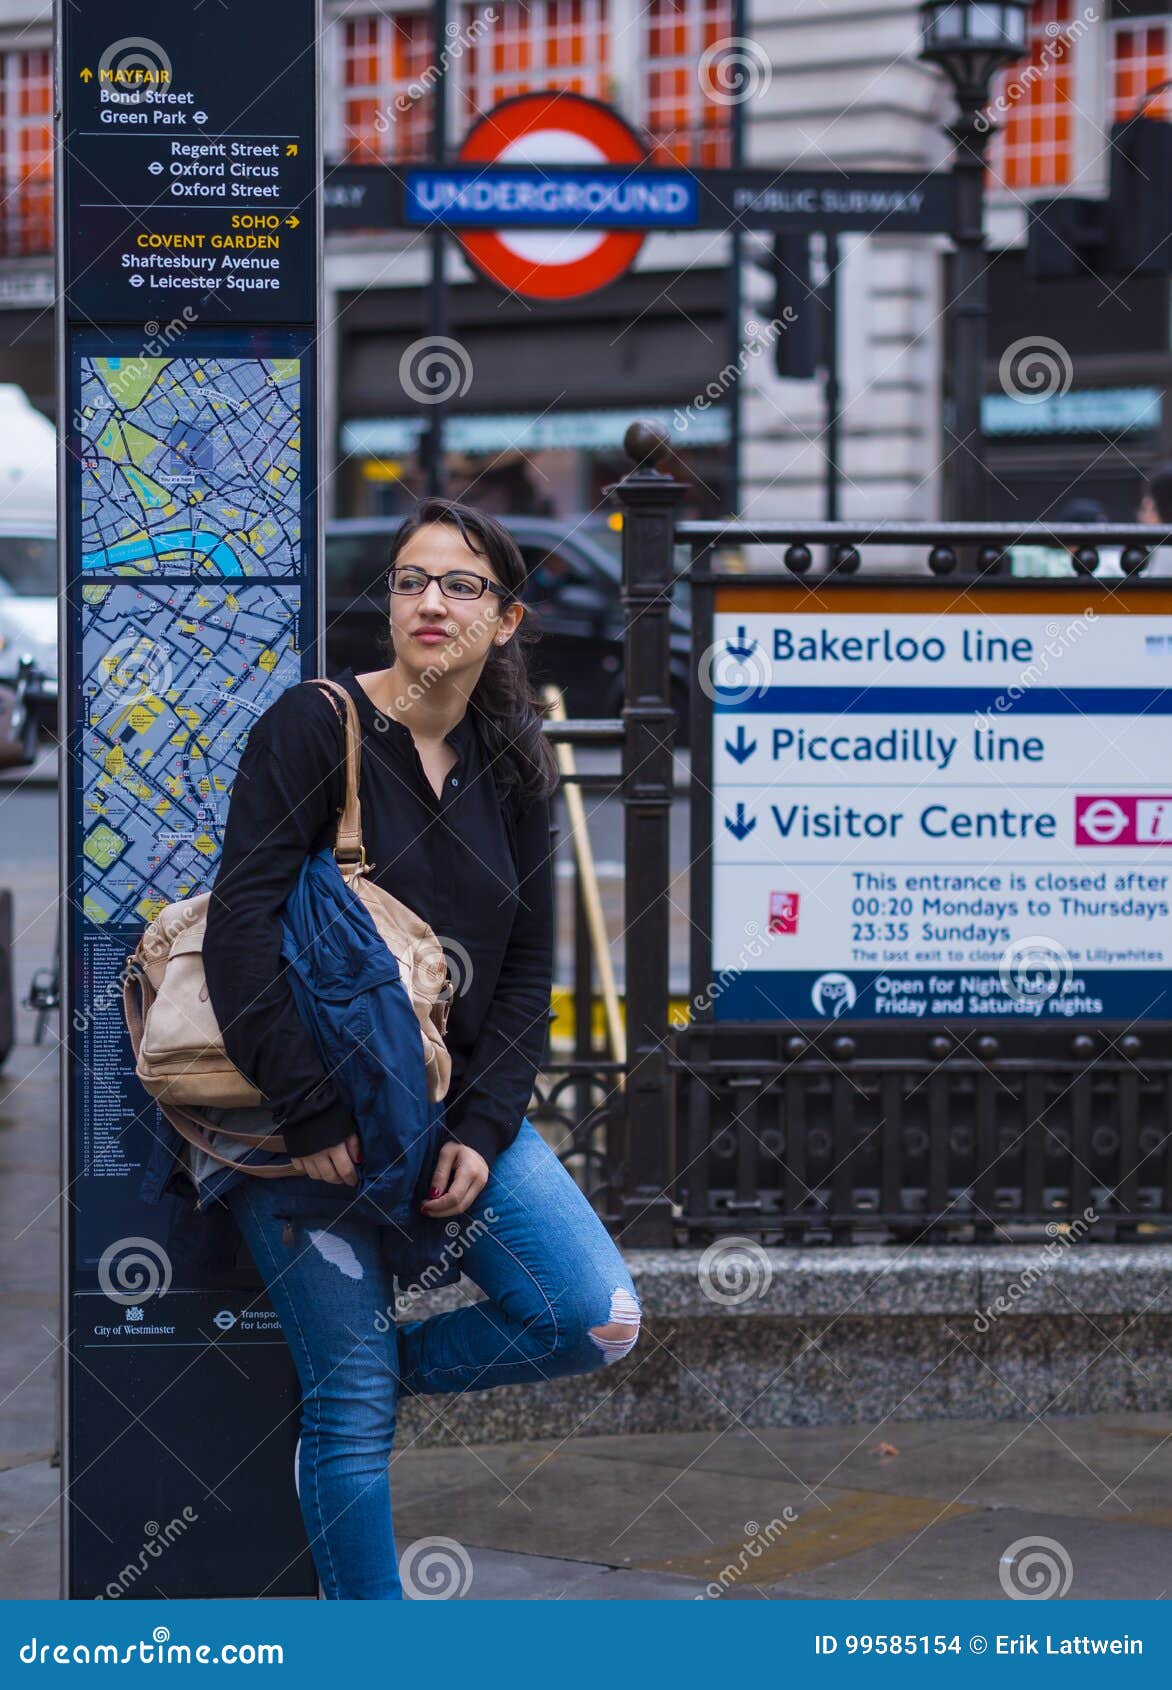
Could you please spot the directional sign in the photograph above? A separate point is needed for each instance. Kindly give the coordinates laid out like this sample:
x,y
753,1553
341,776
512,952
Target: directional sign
x,y
640,197
605,197
560,128
189,166
931,809
190,594
556,196
890,202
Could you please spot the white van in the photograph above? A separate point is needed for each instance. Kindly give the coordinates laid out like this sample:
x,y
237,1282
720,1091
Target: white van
x,y
28,613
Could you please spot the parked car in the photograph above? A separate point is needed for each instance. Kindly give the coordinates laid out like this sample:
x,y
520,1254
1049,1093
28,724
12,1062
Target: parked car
x,y
28,615
572,593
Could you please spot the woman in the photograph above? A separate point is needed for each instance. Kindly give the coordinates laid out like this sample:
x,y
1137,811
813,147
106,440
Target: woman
x,y
455,794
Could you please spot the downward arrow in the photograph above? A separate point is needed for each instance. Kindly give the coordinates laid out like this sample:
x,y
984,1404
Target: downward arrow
x,y
740,828
740,750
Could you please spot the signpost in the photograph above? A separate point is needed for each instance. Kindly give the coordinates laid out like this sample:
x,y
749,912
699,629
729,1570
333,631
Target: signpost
x,y
189,250
515,194
934,807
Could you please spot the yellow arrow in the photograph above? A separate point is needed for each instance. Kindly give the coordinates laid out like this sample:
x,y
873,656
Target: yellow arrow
x,y
291,151
87,75
292,222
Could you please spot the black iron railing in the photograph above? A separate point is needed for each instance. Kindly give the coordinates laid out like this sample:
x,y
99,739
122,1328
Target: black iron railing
x,y
800,1131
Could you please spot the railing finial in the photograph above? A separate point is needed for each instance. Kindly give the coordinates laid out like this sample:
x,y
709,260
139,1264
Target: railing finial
x,y
646,442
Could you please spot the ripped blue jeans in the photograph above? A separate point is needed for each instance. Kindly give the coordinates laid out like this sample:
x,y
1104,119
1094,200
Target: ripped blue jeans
x,y
558,1300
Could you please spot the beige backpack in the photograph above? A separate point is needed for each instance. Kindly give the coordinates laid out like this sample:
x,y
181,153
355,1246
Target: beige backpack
x,y
178,1048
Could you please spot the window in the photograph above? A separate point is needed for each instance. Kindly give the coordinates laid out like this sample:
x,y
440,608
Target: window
x,y
533,44
689,127
523,46
387,71
1033,105
26,135
1139,61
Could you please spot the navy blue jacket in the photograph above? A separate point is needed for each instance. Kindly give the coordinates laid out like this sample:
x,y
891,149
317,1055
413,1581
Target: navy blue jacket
x,y
350,995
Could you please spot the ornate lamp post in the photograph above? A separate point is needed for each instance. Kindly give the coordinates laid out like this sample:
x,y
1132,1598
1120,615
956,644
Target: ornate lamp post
x,y
970,40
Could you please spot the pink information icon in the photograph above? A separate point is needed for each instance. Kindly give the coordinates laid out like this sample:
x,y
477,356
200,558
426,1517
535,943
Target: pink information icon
x,y
783,912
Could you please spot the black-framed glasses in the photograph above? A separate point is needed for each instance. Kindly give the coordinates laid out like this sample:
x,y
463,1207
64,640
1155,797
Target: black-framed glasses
x,y
454,583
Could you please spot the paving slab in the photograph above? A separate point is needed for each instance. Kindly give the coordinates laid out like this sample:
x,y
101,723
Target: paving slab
x,y
959,1559
30,1540
1105,1466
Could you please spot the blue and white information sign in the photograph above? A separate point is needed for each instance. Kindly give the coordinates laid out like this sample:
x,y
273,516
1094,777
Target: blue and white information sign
x,y
935,806
611,196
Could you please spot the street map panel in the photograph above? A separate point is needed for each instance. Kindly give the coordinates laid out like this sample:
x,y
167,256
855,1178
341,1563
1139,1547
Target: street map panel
x,y
173,677
190,466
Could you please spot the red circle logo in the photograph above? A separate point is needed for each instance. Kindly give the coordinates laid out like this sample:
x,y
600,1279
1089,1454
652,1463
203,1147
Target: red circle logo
x,y
552,127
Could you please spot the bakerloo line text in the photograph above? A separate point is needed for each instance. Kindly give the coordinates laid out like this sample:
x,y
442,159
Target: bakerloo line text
x,y
936,821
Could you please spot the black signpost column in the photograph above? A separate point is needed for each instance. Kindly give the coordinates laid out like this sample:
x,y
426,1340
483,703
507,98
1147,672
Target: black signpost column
x,y
189,247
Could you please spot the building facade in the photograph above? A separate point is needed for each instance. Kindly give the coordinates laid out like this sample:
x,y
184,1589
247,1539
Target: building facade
x,y
833,85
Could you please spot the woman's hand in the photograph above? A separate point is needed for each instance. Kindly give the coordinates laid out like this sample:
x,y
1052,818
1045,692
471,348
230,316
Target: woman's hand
x,y
335,1165
461,1174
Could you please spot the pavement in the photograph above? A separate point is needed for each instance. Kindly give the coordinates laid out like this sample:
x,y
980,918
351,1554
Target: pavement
x,y
903,1508
1075,1506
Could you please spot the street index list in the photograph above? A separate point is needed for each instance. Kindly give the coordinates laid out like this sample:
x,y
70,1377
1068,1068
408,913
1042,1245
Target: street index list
x,y
190,165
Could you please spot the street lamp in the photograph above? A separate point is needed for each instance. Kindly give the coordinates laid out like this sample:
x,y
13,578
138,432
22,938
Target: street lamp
x,y
970,40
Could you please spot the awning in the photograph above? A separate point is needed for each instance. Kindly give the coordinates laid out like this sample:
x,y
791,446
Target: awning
x,y
596,430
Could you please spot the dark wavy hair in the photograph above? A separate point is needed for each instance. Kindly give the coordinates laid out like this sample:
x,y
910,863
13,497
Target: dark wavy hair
x,y
509,713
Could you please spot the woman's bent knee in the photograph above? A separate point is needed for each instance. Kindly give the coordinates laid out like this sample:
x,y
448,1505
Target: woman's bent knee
x,y
618,1336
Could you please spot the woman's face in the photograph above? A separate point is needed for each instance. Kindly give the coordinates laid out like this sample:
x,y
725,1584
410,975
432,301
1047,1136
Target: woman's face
x,y
442,632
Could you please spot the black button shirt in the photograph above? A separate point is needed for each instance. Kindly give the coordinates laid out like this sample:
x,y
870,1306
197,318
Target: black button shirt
x,y
448,857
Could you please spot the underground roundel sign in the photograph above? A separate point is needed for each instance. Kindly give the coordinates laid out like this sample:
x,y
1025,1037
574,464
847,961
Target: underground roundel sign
x,y
552,127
